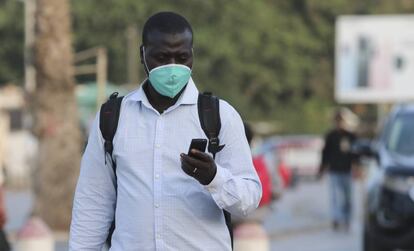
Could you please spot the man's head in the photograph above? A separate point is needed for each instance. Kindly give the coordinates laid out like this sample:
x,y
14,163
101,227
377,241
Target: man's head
x,y
339,119
167,38
345,119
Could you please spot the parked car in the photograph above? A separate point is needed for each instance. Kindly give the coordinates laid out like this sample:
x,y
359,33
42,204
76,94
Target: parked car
x,y
389,202
300,154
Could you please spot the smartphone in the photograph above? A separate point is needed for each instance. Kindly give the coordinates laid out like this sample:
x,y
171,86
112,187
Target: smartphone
x,y
198,144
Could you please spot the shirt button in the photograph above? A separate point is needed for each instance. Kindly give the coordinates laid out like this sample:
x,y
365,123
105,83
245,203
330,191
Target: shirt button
x,y
157,205
158,236
157,176
157,145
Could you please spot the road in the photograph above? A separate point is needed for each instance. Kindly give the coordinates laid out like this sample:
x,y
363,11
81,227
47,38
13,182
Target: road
x,y
298,222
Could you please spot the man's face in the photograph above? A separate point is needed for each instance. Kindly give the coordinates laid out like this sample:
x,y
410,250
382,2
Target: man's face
x,y
339,123
163,48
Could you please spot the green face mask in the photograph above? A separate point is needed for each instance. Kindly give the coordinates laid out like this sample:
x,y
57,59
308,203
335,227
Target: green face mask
x,y
168,80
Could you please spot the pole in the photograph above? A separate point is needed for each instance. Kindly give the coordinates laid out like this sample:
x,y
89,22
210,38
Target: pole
x,y
35,235
29,32
251,236
101,68
382,113
132,54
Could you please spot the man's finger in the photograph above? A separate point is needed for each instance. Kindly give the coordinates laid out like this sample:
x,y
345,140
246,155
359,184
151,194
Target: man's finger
x,y
189,170
195,163
201,155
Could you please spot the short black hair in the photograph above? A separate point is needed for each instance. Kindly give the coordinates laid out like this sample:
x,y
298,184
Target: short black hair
x,y
166,22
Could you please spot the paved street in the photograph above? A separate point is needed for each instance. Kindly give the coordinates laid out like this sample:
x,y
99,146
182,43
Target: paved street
x,y
318,240
298,222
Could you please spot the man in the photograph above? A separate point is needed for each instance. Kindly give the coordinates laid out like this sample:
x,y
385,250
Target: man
x,y
338,159
165,199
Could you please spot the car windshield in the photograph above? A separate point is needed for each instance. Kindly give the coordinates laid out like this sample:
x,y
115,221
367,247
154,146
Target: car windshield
x,y
401,136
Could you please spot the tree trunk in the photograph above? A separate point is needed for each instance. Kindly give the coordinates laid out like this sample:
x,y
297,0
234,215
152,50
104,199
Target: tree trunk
x,y
56,120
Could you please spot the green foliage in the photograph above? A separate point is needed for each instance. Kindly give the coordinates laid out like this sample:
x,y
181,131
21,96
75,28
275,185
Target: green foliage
x,y
11,41
267,58
273,60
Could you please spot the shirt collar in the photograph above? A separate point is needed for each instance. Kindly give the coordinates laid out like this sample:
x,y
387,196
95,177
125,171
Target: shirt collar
x,y
188,97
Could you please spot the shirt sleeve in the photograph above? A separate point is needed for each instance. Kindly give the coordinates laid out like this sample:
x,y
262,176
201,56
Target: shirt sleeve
x,y
95,197
236,186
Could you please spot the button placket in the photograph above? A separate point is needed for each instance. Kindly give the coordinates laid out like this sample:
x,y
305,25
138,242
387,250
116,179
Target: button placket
x,y
157,180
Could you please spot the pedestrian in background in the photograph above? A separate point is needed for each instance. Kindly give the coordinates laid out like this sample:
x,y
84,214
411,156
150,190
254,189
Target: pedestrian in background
x,y
338,160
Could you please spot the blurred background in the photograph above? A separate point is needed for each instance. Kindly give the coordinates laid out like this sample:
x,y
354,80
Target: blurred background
x,y
285,65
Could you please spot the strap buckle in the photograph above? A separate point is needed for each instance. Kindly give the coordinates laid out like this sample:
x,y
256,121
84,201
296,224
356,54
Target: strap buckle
x,y
108,146
114,95
214,145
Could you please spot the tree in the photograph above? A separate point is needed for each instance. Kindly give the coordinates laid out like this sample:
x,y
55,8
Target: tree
x,y
263,51
269,54
56,120
11,46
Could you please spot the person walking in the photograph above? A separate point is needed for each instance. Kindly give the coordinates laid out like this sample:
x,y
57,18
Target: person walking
x,y
160,197
337,159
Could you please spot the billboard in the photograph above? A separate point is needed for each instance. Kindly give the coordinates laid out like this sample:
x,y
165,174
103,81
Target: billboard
x,y
374,59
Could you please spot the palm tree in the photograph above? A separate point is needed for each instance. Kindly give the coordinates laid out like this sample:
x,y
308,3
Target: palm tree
x,y
56,120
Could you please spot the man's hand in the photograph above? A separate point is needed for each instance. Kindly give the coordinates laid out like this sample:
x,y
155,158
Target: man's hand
x,y
201,167
320,172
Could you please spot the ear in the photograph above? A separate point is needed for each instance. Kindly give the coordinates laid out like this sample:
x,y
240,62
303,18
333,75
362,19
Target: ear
x,y
141,53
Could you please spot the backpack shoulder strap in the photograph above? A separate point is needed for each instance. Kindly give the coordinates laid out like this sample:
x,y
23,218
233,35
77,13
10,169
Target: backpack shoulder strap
x,y
108,123
209,115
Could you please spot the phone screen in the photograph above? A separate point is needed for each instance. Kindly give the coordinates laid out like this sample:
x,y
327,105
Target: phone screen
x,y
198,144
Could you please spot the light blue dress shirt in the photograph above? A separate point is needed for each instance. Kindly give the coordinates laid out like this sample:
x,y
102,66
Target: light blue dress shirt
x,y
158,206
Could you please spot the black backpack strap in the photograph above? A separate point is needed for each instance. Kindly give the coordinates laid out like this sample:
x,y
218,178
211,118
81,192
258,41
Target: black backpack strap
x,y
209,115
227,218
108,123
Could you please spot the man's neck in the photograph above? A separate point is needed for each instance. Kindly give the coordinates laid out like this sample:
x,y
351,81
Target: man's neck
x,y
159,102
